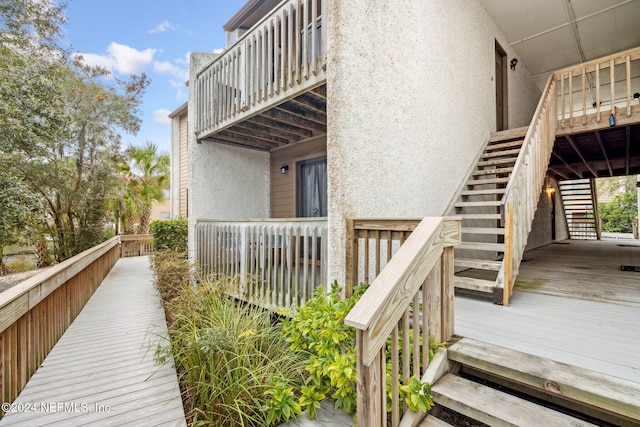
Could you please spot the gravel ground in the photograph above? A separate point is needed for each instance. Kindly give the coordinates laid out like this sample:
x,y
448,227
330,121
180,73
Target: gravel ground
x,y
10,280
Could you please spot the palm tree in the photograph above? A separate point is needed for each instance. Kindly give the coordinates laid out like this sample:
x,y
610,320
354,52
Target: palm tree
x,y
147,178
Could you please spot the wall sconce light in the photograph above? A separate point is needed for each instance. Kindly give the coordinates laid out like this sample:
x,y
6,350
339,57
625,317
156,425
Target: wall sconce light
x,y
513,63
636,95
284,169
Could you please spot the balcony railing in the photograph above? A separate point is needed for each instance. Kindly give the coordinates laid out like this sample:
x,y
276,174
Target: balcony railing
x,y
278,263
590,92
282,56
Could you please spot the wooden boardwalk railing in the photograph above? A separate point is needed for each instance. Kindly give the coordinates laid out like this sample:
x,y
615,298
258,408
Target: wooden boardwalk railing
x,y
35,313
409,303
279,262
282,55
136,244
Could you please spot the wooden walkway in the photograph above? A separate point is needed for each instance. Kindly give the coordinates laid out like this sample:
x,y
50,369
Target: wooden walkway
x,y
572,303
102,371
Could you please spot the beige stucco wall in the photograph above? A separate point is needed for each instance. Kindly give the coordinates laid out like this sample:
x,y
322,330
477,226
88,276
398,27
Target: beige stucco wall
x,y
411,103
541,234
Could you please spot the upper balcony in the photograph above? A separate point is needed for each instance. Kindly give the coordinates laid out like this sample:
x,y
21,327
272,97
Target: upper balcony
x,y
281,57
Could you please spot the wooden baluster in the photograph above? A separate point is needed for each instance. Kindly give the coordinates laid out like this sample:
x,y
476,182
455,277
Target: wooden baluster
x,y
570,98
612,79
562,102
598,93
370,386
395,371
627,61
584,96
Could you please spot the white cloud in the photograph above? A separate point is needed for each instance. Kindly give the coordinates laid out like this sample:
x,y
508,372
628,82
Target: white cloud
x,y
162,116
121,58
218,51
129,60
162,27
172,69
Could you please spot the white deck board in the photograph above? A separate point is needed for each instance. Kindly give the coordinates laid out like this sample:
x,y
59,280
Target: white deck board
x,y
106,358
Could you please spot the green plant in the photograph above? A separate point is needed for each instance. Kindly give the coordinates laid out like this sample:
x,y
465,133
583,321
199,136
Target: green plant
x,y
281,404
21,266
617,216
170,234
172,273
318,328
233,361
417,395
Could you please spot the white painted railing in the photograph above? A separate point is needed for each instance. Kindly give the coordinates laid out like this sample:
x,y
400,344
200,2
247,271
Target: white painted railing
x,y
282,56
279,263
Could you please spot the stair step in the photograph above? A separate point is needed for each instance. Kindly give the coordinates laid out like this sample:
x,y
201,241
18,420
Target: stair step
x,y
474,182
479,216
485,203
512,152
504,145
483,230
479,264
509,134
608,393
481,246
493,171
494,407
482,192
472,284
431,421
494,162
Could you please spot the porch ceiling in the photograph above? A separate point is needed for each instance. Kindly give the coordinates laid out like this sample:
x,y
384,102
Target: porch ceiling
x,y
610,151
295,120
553,34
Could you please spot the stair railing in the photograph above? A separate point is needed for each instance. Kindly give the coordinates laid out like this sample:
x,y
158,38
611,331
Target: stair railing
x,y
520,200
409,302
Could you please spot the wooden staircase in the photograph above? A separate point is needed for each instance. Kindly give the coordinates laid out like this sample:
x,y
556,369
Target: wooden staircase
x,y
580,208
479,257
498,386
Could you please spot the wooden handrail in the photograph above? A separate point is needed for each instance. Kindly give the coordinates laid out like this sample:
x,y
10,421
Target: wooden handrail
x,y
523,190
424,261
35,313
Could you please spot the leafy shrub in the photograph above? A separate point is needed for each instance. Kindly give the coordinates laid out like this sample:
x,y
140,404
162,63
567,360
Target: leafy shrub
x,y
617,216
236,365
172,273
318,328
170,234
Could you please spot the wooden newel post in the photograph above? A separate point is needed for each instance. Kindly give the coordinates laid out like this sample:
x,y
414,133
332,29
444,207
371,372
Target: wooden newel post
x,y
371,386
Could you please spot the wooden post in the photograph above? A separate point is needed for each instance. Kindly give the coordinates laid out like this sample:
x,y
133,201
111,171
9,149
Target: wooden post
x,y
508,255
371,386
351,260
448,293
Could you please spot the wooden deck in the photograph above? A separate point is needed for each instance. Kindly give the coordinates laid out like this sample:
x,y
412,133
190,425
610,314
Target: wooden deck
x,y
572,304
102,371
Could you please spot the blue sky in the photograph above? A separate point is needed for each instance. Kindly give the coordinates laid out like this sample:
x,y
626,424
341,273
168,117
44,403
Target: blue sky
x,y
151,36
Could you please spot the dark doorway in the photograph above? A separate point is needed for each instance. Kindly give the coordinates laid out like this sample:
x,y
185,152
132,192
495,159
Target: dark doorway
x,y
502,121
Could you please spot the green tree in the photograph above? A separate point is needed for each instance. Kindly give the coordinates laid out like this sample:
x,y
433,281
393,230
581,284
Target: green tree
x,y
617,215
149,178
75,175
31,74
18,210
